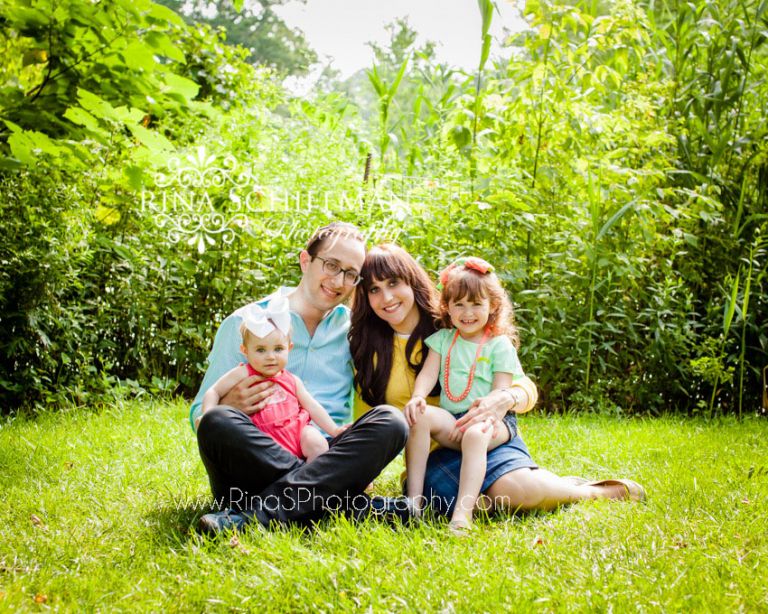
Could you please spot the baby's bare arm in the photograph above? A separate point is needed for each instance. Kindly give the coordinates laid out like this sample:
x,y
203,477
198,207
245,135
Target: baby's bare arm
x,y
315,410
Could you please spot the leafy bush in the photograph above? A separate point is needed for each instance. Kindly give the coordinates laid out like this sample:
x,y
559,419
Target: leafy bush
x,y
615,169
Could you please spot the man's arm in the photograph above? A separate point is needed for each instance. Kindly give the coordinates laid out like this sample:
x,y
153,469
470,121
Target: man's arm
x,y
223,385
225,355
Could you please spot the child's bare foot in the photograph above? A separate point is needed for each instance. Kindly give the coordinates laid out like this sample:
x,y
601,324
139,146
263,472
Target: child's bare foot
x,y
415,503
460,528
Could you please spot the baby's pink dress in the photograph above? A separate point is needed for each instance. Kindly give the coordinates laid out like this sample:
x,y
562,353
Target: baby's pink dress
x,y
282,418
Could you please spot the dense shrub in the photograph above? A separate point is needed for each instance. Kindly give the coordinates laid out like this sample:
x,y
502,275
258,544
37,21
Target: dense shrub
x,y
619,188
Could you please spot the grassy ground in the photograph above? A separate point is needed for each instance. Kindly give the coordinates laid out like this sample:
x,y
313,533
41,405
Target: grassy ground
x,y
98,508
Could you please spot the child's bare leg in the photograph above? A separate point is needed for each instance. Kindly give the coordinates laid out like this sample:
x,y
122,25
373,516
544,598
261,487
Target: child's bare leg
x,y
475,445
433,420
313,444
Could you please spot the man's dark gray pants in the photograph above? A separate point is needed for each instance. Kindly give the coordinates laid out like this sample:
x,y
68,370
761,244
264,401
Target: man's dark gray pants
x,y
249,472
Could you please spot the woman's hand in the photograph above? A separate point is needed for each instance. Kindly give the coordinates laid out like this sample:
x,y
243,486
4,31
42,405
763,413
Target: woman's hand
x,y
456,435
413,409
488,410
249,395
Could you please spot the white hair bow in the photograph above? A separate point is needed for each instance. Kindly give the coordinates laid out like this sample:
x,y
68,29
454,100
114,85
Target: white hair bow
x,y
262,321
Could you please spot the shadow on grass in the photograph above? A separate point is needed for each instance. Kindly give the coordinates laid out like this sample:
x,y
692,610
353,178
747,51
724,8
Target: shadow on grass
x,y
174,524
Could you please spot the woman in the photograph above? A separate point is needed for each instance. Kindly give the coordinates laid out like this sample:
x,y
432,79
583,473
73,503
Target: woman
x,y
393,312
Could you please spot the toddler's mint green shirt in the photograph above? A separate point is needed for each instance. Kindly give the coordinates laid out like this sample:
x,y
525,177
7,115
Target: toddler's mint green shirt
x,y
497,356
322,361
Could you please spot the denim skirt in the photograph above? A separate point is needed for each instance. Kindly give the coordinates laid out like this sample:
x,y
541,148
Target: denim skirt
x,y
441,483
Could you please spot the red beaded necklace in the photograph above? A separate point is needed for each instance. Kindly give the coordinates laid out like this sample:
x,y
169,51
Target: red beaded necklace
x,y
447,367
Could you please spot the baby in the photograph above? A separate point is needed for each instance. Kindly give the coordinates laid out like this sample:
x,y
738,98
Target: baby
x,y
286,415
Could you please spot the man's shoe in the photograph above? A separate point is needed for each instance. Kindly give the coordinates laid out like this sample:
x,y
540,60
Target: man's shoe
x,y
218,522
393,508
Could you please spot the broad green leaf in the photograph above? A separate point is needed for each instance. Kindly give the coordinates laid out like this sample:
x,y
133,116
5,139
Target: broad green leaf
x,y
730,306
135,175
164,46
97,106
29,18
22,148
373,77
151,139
615,218
10,164
28,145
398,78
158,11
486,12
12,127
81,117
485,51
176,84
129,115
461,136
139,55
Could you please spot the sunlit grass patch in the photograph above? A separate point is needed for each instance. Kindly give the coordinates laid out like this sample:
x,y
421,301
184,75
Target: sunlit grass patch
x,y
99,508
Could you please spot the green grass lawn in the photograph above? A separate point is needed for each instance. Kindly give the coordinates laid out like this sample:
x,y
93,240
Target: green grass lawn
x,y
98,510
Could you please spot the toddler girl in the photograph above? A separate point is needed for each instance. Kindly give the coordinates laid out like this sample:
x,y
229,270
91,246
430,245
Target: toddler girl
x,y
286,415
473,355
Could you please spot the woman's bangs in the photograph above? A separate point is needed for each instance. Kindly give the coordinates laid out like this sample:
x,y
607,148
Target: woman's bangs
x,y
381,265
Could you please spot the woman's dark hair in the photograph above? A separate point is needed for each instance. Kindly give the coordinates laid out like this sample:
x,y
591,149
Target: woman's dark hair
x,y
370,337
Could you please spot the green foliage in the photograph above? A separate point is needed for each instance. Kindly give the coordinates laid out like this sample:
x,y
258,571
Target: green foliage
x,y
266,37
614,167
404,101
124,56
44,249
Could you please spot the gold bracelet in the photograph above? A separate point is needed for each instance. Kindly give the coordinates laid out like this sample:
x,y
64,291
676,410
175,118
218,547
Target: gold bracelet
x,y
515,400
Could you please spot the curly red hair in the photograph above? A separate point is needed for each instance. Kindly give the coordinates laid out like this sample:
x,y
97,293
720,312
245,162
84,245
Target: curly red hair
x,y
467,282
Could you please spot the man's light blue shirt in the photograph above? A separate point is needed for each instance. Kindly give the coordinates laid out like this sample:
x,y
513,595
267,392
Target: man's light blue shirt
x,y
322,361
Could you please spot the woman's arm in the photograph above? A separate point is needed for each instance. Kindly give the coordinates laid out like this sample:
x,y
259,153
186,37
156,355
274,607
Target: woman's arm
x,y
523,395
519,396
316,411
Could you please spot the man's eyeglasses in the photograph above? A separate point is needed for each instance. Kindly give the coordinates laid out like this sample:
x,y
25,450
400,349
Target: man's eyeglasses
x,y
351,277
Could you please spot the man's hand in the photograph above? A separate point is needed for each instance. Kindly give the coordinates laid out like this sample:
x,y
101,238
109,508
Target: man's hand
x,y
413,409
247,395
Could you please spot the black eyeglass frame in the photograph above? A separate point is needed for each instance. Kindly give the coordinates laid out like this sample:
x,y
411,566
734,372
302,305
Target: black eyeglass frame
x,y
333,269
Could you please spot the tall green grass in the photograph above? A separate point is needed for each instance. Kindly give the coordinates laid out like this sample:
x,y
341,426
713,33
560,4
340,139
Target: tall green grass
x,y
98,511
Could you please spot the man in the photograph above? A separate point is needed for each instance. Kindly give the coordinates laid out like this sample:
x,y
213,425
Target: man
x,y
250,474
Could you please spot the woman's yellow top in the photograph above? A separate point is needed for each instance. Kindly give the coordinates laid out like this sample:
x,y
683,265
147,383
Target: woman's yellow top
x,y
400,387
402,378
